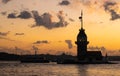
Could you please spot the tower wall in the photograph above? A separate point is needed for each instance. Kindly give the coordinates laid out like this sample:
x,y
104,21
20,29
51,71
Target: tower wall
x,y
81,49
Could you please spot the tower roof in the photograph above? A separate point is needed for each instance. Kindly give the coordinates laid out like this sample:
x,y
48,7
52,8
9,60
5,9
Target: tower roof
x,y
82,35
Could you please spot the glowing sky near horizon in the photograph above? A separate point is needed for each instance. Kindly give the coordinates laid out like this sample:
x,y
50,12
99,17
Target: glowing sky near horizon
x,y
52,25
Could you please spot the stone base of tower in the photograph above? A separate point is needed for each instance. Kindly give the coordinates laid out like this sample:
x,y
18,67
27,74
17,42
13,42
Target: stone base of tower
x,y
91,57
76,61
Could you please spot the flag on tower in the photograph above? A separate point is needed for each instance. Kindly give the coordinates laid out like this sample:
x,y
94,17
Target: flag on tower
x,y
80,17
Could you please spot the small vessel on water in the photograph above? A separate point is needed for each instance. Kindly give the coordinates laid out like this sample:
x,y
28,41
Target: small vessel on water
x,y
33,59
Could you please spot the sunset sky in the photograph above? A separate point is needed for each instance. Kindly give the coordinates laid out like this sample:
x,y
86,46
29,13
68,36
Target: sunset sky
x,y
51,26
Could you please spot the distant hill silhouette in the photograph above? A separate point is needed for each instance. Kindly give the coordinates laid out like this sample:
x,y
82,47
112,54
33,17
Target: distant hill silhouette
x,y
9,57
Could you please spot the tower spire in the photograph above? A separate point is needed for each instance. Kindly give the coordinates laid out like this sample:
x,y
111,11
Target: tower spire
x,y
81,19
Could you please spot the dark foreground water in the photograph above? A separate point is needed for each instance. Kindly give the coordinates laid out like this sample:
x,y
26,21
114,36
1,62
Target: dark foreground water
x,y
37,69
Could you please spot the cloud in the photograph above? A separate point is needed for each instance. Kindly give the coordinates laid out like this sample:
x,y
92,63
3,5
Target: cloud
x,y
46,20
6,38
113,53
5,49
72,20
59,41
64,2
4,13
21,51
114,15
14,50
108,8
41,42
107,4
24,15
60,52
94,48
4,33
18,49
3,36
19,34
5,1
69,42
11,15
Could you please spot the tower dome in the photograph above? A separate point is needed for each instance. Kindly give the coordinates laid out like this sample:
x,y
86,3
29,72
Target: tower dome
x,y
82,35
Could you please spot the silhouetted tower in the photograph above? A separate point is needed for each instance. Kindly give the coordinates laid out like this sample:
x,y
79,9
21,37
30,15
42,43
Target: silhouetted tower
x,y
81,41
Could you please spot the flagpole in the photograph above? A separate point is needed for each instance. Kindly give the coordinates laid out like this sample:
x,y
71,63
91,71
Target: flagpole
x,y
81,18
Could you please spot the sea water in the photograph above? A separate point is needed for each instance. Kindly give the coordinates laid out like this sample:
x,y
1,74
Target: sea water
x,y
53,69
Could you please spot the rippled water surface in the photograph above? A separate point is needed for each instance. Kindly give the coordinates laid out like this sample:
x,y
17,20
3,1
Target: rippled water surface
x,y
37,69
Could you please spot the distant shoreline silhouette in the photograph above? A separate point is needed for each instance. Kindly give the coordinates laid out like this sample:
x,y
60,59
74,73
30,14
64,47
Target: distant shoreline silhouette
x,y
13,57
